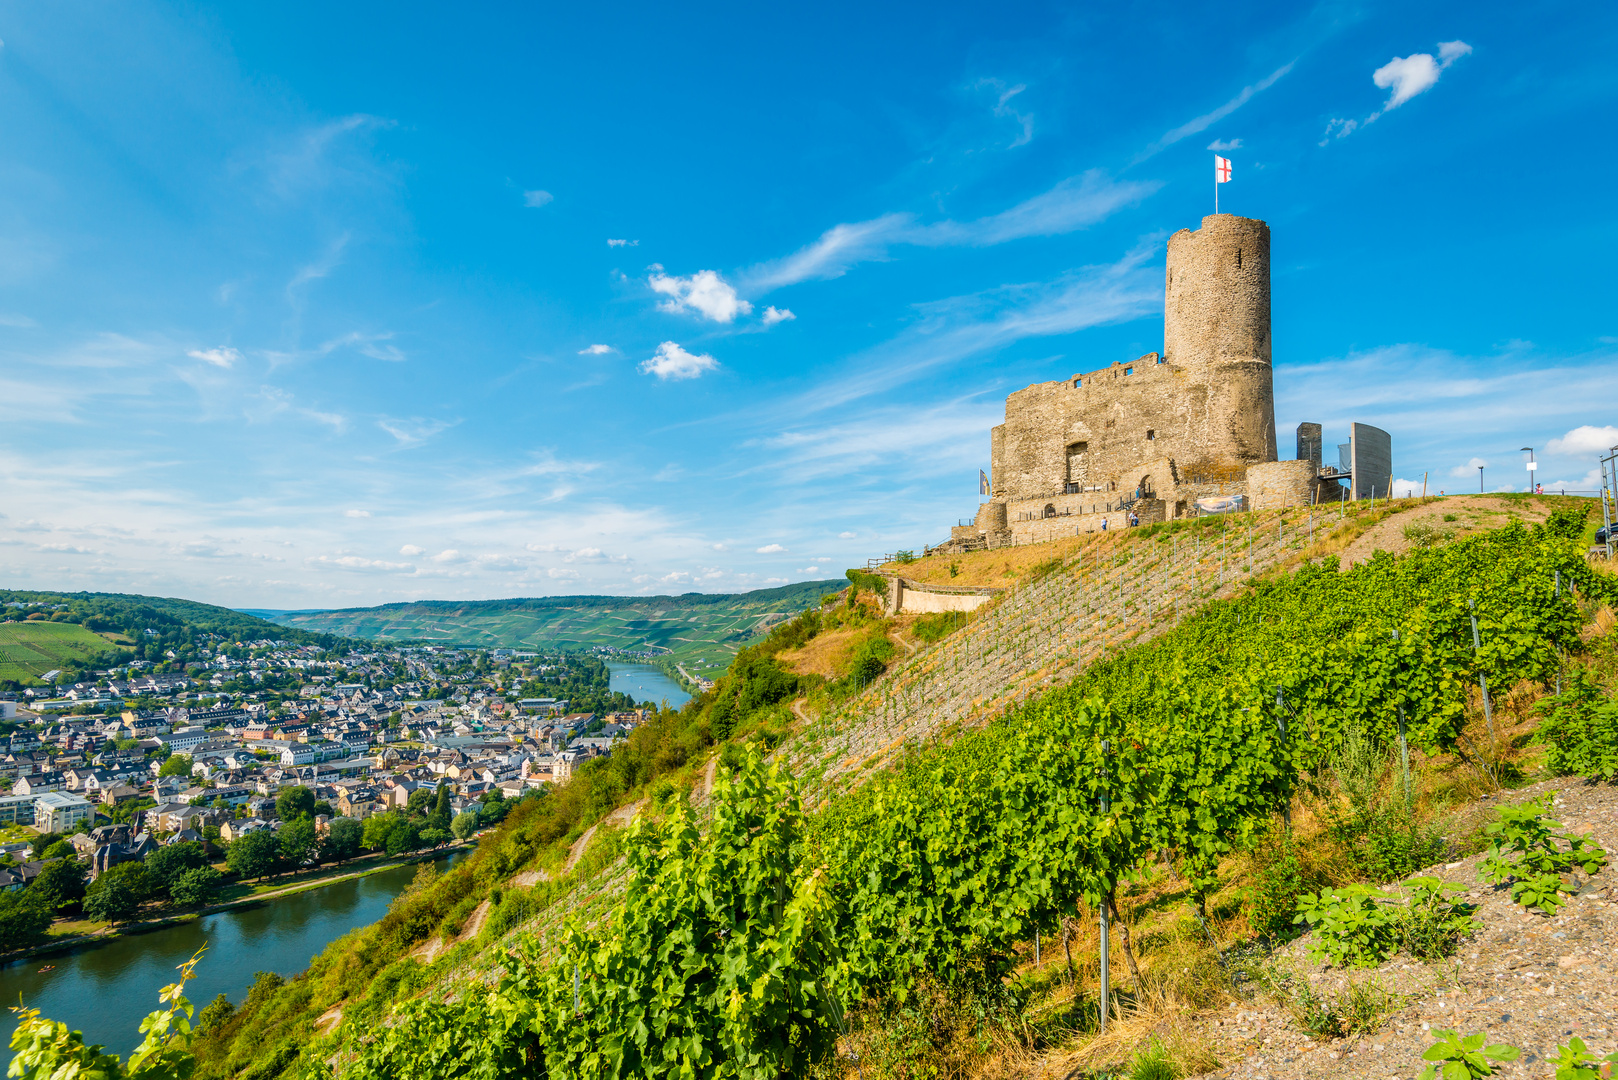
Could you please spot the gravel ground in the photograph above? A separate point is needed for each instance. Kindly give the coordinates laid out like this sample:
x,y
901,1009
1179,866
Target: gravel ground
x,y
1525,979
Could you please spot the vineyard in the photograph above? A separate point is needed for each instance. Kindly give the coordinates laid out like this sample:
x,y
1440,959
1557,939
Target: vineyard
x,y
1141,703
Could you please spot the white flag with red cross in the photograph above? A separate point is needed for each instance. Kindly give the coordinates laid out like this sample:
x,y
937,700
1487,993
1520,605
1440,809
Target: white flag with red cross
x,y
1221,170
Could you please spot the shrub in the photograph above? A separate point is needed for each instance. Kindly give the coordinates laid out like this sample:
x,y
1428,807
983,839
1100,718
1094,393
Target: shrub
x,y
1526,854
1463,1058
1580,730
1354,926
1432,924
1272,898
938,625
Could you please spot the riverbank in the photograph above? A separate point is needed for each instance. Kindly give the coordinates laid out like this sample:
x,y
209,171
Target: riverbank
x,y
293,888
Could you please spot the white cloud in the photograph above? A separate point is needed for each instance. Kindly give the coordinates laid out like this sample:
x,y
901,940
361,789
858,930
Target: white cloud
x,y
1585,439
412,549
810,570
1406,77
704,292
720,547
847,536
596,350
224,356
561,573
537,198
1075,203
673,362
1405,489
773,315
1225,144
357,513
356,562
1470,468
448,555
623,243
771,549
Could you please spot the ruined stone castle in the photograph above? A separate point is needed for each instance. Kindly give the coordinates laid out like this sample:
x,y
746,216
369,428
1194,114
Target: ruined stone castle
x,y
1182,431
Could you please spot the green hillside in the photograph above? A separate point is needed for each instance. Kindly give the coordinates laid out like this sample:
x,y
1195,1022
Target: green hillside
x,y
75,632
30,649
695,629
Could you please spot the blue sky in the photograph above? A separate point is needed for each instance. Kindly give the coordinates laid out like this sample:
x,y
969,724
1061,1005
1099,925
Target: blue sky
x,y
319,305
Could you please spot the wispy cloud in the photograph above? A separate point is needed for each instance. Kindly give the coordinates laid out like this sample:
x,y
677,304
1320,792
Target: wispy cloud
x,y
623,243
537,198
1208,119
674,362
1075,203
596,350
1225,145
773,315
1003,109
414,431
951,330
223,356
771,549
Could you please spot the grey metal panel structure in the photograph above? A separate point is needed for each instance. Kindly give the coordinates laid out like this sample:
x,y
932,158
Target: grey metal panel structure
x,y
1371,454
1309,443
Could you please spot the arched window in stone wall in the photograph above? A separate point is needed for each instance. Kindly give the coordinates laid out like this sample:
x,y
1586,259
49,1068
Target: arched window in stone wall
x,y
1050,510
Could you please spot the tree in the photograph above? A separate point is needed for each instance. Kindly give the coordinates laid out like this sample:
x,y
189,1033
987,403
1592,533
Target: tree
x,y
60,883
254,855
405,836
168,862
440,816
420,800
464,825
24,918
343,839
215,1014
196,887
60,850
42,843
298,842
130,875
377,828
294,802
324,809
433,837
111,902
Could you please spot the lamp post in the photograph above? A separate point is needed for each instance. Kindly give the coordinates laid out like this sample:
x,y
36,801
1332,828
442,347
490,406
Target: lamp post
x,y
1480,479
1532,465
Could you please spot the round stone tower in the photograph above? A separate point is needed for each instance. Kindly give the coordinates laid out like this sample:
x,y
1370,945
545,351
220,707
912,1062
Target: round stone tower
x,y
1216,332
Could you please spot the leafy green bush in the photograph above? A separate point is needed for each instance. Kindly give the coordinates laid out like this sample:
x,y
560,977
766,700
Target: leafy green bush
x,y
1353,926
1432,923
1525,852
1580,730
1277,883
1571,1062
1359,926
1463,1058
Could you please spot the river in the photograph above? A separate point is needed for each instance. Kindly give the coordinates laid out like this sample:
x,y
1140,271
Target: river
x,y
645,684
105,988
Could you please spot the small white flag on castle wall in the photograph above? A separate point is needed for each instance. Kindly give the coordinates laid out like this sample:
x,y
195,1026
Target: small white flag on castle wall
x,y
1221,176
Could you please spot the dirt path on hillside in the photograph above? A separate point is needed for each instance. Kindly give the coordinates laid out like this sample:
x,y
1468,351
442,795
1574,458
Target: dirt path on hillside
x,y
619,817
1471,514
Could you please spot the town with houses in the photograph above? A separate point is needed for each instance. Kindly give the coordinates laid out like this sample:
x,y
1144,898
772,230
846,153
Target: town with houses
x,y
95,761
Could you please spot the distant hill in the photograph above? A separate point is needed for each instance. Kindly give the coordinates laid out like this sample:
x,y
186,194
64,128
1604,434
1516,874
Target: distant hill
x,y
696,628
76,631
